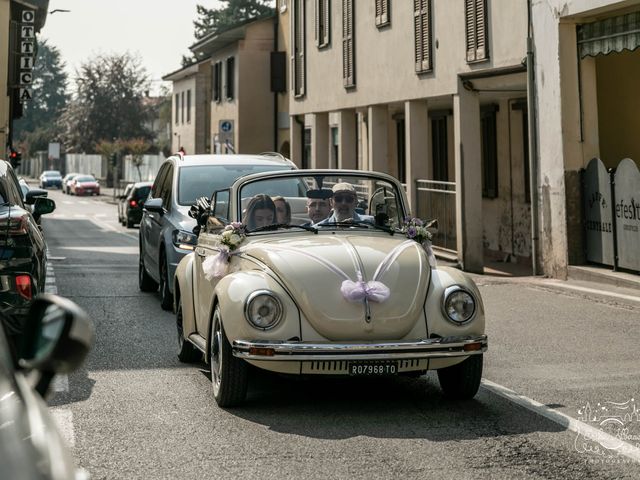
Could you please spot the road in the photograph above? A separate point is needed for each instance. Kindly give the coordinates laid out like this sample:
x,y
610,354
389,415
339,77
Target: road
x,y
133,411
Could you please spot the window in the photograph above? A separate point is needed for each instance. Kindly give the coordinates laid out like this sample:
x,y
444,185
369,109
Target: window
x,y
476,26
177,108
229,92
217,82
298,66
439,148
422,34
383,18
189,106
278,72
335,147
401,150
182,107
489,151
323,23
348,44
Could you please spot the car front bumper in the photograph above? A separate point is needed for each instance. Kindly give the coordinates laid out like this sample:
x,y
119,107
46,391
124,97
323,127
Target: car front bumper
x,y
442,347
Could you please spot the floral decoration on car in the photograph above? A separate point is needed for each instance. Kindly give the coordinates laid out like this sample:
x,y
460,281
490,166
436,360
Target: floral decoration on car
x,y
415,229
217,266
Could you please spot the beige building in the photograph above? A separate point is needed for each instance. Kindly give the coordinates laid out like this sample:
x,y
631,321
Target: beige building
x,y
20,20
588,104
229,101
433,92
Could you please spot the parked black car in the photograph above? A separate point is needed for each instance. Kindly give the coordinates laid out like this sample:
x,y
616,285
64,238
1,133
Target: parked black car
x,y
23,252
58,336
131,202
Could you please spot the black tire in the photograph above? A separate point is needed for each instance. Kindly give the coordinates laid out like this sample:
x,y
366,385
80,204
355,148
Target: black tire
x,y
461,381
145,282
128,222
187,352
166,297
229,375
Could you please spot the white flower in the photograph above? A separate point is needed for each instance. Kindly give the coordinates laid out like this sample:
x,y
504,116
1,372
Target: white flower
x,y
235,239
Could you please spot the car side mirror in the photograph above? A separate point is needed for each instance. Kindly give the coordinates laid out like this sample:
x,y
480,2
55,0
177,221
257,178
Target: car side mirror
x,y
43,206
154,205
31,195
57,338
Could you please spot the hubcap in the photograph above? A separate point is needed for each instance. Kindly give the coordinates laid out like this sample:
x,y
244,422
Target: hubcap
x,y
216,355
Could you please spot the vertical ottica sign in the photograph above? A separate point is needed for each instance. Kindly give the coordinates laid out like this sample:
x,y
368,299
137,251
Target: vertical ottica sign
x,y
27,49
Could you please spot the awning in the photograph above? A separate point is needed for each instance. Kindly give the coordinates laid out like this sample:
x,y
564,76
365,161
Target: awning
x,y
613,34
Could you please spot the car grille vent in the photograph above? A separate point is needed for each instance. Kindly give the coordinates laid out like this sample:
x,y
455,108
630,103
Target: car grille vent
x,y
414,362
328,366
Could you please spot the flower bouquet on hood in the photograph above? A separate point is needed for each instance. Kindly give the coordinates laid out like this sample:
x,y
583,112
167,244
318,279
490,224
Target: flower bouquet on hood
x,y
217,266
416,229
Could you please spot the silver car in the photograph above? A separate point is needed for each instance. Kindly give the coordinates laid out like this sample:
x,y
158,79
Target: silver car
x,y
166,230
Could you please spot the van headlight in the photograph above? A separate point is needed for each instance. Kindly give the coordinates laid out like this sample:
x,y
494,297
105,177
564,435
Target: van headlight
x,y
458,305
263,309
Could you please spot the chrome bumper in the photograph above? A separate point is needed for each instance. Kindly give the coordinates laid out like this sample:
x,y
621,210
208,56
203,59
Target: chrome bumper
x,y
444,347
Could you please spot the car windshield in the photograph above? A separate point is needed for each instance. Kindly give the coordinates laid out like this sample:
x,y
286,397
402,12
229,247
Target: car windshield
x,y
85,179
325,201
141,192
202,180
51,174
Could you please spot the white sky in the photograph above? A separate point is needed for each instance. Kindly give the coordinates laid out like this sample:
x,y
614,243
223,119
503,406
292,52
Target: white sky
x,y
159,31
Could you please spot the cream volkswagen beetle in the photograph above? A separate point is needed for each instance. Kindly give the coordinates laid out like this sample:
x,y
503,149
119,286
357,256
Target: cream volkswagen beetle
x,y
328,279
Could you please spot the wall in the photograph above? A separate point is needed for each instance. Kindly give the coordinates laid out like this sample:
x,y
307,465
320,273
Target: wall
x,y
184,133
225,109
4,62
381,62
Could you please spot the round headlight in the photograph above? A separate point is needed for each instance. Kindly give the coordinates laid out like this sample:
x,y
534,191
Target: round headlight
x,y
263,310
459,305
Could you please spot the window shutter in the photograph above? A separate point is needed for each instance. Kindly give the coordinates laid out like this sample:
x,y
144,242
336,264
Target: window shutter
x,y
326,22
230,78
382,12
217,71
348,71
322,22
476,28
422,33
297,52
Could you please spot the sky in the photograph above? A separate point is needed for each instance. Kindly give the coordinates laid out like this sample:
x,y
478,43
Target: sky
x,y
158,31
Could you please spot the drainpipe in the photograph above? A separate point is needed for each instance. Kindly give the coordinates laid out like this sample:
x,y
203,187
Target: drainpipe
x,y
275,94
533,142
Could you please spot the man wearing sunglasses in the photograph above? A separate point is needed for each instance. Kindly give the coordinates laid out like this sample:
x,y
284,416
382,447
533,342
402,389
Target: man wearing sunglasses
x,y
344,202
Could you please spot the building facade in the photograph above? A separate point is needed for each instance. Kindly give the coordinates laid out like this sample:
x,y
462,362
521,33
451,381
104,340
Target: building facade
x,y
234,99
431,92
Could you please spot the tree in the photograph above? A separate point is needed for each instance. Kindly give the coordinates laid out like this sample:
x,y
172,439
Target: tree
x,y
108,102
38,125
213,20
137,147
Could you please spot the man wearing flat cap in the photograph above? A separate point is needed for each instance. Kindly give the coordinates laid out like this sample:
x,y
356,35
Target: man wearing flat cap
x,y
343,201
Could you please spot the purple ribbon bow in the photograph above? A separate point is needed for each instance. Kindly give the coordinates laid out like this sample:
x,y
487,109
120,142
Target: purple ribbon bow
x,y
357,291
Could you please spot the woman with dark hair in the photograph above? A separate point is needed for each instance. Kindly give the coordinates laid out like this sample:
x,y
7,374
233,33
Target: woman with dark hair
x,y
260,212
283,210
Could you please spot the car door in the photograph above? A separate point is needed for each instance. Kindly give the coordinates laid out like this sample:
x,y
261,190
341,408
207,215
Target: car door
x,y
122,203
203,288
151,225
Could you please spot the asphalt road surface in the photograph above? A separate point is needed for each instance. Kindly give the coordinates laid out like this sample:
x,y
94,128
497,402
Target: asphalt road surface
x,y
133,411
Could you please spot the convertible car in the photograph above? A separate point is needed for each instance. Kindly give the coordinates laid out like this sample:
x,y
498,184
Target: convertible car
x,y
350,290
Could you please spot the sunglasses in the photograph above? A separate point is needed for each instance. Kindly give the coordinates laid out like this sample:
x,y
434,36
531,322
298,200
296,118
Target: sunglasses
x,y
344,198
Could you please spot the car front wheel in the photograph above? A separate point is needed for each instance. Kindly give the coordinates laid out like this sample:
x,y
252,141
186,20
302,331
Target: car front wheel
x,y
145,282
229,375
187,353
461,381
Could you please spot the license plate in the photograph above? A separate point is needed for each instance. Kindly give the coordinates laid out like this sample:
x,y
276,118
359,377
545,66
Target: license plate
x,y
373,368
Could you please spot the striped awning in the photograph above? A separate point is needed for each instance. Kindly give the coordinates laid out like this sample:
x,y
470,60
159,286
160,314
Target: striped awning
x,y
613,34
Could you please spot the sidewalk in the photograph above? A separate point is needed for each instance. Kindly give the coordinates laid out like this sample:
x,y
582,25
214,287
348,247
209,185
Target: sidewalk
x,y
587,280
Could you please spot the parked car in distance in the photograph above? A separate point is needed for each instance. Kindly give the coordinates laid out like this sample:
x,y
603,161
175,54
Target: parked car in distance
x,y
131,202
51,178
24,252
66,182
84,185
57,339
166,230
355,294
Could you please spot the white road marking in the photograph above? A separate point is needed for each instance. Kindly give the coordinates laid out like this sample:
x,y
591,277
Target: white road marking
x,y
105,249
64,419
570,423
60,383
577,288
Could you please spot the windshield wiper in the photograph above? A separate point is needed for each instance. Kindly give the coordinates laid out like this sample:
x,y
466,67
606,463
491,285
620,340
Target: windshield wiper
x,y
358,223
277,226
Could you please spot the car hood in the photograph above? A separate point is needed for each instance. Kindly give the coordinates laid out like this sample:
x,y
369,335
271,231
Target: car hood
x,y
321,272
